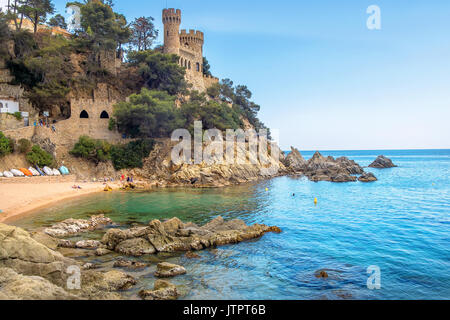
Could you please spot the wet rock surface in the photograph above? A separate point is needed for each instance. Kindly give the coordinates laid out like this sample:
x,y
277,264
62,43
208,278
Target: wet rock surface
x,y
174,235
320,168
74,226
167,270
163,290
367,177
381,162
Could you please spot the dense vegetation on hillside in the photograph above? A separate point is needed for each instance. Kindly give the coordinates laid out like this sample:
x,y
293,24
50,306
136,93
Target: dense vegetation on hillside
x,y
123,156
49,67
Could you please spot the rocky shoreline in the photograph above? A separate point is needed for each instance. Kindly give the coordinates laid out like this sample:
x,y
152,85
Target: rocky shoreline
x,y
160,171
33,267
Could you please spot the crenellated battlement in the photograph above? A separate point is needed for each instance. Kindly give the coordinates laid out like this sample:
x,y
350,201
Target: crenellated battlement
x,y
171,16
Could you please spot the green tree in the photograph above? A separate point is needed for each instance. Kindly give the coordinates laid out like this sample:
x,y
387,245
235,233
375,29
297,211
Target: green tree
x,y
131,155
148,114
5,34
37,11
206,67
58,21
159,71
5,145
143,33
24,145
39,157
213,114
91,149
106,29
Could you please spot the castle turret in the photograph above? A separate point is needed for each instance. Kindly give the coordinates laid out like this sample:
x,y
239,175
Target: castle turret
x,y
192,40
171,20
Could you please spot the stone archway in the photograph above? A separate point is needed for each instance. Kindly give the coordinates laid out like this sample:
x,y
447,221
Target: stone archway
x,y
84,115
104,115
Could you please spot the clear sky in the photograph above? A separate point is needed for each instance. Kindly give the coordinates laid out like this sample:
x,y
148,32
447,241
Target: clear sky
x,y
321,77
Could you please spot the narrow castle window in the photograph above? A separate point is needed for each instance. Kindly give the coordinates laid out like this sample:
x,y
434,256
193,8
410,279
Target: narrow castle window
x,y
189,65
104,115
198,67
84,115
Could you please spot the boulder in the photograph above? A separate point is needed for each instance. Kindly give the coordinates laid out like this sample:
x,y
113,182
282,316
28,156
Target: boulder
x,y
20,252
167,270
14,286
163,290
367,177
382,162
135,247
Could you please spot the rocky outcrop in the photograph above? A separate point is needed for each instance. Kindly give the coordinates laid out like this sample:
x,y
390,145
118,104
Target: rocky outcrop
x,y
105,286
320,168
31,270
382,162
73,226
174,235
163,290
294,161
167,270
367,177
160,167
19,251
14,286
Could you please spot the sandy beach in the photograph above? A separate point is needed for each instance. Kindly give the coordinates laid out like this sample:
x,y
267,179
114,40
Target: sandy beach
x,y
19,196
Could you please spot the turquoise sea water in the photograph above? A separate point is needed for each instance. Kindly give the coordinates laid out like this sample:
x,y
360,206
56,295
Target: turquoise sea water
x,y
400,223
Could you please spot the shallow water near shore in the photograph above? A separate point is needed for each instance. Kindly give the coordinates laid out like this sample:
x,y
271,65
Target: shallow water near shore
x,y
400,223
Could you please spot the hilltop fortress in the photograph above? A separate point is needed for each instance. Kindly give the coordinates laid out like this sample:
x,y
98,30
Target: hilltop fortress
x,y
188,46
89,115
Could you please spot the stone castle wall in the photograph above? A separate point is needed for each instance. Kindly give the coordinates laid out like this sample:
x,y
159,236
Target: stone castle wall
x,y
188,45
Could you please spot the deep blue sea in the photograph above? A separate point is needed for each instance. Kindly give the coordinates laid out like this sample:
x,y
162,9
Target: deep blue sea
x,y
401,223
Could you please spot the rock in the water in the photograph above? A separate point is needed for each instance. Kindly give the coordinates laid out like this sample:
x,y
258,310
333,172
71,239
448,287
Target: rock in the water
x,y
173,235
367,177
382,162
89,266
102,252
319,168
62,243
122,263
192,255
163,290
135,247
321,274
73,226
167,270
294,161
88,244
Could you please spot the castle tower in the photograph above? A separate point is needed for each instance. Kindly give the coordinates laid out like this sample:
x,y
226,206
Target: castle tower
x,y
171,20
